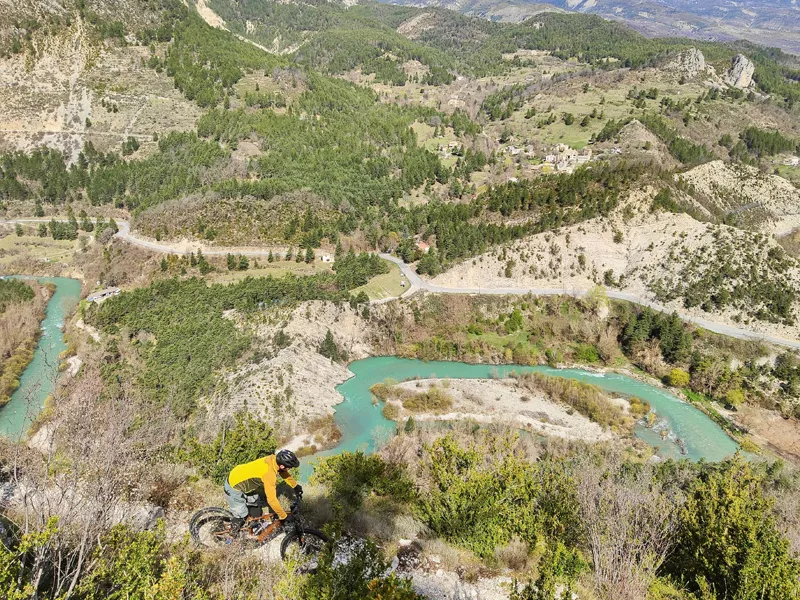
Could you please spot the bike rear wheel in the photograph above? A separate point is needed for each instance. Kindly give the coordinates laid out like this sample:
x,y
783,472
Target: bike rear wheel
x,y
303,548
211,527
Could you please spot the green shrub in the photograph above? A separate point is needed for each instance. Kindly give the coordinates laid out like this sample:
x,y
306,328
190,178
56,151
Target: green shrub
x,y
734,397
328,347
678,378
391,411
248,439
729,538
481,496
586,353
638,407
381,391
351,476
558,570
361,577
748,445
14,290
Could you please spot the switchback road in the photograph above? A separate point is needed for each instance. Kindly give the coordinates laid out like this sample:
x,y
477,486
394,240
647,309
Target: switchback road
x,y
417,283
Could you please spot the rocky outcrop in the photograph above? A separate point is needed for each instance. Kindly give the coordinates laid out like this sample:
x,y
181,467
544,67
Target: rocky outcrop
x,y
741,72
77,506
689,63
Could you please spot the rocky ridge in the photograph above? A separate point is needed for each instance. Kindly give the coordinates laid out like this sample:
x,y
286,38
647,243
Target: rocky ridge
x,y
689,63
741,72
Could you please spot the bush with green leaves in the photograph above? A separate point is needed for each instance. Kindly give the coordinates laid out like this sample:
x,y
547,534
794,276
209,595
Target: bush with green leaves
x,y
558,569
350,477
247,439
123,564
678,378
361,577
328,347
729,541
484,494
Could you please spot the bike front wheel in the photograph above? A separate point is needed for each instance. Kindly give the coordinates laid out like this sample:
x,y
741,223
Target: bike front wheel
x,y
303,548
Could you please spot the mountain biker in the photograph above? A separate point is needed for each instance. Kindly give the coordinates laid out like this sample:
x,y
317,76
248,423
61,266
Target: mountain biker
x,y
250,481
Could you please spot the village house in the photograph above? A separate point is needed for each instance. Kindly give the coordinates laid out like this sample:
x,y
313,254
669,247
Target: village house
x,y
103,294
584,156
423,247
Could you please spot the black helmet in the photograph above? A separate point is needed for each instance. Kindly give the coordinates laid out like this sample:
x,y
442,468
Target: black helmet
x,y
288,459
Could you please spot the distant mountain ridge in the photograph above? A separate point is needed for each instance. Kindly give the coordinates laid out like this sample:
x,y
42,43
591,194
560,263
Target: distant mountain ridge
x,y
773,23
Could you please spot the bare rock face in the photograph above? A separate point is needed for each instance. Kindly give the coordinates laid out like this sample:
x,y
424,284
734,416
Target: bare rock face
x,y
689,63
741,72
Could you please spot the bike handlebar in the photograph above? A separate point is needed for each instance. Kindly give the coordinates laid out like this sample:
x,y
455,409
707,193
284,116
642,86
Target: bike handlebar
x,y
295,505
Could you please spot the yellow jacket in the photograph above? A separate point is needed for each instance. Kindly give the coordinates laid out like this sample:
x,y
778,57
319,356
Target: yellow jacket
x,y
259,474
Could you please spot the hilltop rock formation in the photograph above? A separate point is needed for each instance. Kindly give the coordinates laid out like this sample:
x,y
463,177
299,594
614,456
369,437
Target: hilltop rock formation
x,y
689,63
741,72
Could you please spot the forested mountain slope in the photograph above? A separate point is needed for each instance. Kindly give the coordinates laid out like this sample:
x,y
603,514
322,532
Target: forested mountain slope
x,y
759,21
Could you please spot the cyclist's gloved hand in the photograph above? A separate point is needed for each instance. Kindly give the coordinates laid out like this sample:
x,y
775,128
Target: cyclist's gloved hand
x,y
298,490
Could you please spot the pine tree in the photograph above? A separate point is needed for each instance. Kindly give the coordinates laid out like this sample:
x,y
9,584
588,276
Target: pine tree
x,y
309,255
203,264
328,347
339,250
271,257
244,264
410,425
163,264
192,259
231,262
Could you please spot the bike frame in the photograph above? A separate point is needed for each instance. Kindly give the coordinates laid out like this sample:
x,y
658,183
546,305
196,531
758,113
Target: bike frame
x,y
274,523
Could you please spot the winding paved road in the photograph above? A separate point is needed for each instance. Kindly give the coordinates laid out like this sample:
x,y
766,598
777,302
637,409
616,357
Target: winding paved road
x,y
417,283
742,334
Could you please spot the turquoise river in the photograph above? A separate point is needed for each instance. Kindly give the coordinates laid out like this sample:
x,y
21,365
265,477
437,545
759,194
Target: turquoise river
x,y
38,379
361,422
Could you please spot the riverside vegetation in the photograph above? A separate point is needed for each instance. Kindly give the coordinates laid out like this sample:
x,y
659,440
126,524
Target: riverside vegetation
x,y
345,138
568,331
22,306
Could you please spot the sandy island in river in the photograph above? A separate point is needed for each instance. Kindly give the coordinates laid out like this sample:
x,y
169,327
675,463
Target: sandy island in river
x,y
505,401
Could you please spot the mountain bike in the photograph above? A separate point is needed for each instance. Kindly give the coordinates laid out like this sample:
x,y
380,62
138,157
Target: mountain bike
x,y
211,527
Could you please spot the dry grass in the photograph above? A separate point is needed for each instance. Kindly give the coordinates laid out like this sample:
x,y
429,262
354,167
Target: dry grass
x,y
514,555
434,400
587,399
